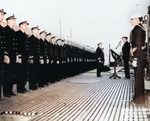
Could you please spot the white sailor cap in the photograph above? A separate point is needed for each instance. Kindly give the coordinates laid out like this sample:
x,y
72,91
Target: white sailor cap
x,y
136,15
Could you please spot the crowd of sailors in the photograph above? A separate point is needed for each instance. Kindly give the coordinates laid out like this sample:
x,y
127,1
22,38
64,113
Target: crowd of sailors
x,y
40,58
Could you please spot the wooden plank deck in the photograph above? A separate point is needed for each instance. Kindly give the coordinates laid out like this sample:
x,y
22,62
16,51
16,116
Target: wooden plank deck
x,y
81,98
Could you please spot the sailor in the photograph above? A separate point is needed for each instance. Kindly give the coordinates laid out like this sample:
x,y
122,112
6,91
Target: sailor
x,y
137,39
3,57
44,60
11,48
56,61
51,66
22,58
126,57
100,59
34,58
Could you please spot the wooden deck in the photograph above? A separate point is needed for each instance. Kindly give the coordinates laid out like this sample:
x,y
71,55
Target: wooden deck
x,y
81,98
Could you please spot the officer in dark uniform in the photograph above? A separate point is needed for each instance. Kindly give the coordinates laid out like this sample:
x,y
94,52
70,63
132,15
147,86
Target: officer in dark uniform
x,y
3,57
11,47
51,65
43,77
34,58
22,60
100,59
126,57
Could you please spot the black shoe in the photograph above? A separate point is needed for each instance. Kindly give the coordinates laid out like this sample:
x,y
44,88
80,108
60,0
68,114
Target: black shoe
x,y
41,86
13,94
33,88
6,95
126,78
21,91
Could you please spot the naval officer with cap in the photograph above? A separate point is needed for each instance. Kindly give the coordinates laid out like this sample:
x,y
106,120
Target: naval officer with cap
x,y
126,57
3,57
11,51
100,59
137,39
22,60
43,77
34,58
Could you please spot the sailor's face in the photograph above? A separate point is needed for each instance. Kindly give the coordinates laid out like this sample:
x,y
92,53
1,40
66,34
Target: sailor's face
x,y
124,40
134,21
43,35
24,26
36,31
12,22
1,17
100,45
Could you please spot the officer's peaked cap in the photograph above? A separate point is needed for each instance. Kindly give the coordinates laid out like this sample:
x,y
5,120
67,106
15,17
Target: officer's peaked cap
x,y
23,22
37,27
11,17
136,15
43,32
2,11
99,43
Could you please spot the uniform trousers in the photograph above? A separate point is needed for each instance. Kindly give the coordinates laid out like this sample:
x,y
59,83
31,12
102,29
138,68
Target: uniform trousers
x,y
1,78
8,80
33,75
21,72
100,67
126,68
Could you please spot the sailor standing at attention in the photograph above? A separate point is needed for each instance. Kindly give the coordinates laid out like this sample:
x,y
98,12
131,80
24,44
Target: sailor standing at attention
x,y
100,59
11,51
22,60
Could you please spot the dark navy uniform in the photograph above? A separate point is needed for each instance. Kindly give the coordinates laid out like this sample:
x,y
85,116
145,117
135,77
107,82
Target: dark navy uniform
x,y
100,61
2,50
11,47
126,51
51,65
34,54
22,68
43,80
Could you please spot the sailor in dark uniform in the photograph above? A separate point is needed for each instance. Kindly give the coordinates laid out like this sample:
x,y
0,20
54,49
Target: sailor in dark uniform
x,y
43,79
11,48
3,57
126,52
22,60
34,58
137,39
100,59
50,57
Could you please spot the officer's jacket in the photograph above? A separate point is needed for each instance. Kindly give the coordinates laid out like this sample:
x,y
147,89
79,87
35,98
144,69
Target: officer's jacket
x,y
11,42
126,50
100,54
44,49
2,44
56,57
23,44
35,47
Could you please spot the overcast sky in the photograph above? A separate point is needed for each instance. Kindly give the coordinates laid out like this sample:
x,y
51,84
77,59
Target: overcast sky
x,y
91,21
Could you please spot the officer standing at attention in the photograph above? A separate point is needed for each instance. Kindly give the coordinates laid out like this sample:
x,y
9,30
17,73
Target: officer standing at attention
x,y
34,58
22,60
126,57
11,47
43,79
100,59
3,57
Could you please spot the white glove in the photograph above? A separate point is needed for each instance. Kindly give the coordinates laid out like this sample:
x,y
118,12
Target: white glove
x,y
18,59
47,60
134,63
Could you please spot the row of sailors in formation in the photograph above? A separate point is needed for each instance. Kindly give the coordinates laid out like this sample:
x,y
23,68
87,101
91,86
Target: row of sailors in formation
x,y
48,61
